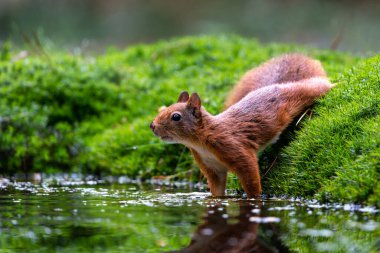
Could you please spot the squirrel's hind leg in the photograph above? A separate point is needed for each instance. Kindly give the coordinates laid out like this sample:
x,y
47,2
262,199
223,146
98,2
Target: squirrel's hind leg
x,y
244,164
249,177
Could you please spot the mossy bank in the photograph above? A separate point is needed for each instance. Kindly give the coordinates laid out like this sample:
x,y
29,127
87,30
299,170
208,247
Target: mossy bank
x,y
336,155
63,112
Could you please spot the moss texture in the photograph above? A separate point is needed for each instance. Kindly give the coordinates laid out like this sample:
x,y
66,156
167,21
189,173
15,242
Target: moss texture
x,y
336,156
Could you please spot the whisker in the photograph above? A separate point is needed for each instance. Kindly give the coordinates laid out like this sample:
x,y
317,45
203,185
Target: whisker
x,y
303,115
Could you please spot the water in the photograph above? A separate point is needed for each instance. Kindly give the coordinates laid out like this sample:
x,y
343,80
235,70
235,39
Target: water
x,y
148,218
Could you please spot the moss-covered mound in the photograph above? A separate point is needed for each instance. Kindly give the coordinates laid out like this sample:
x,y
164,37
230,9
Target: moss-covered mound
x,y
336,156
60,112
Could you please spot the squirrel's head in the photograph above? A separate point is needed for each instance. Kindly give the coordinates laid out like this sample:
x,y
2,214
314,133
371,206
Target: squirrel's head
x,y
178,122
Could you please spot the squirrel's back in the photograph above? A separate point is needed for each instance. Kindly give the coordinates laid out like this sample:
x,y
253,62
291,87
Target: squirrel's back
x,y
281,69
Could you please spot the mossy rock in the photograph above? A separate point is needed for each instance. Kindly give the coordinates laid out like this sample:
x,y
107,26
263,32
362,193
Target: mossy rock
x,y
336,156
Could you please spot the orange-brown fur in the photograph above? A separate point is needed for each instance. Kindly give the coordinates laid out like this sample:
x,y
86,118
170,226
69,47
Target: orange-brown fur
x,y
231,140
286,68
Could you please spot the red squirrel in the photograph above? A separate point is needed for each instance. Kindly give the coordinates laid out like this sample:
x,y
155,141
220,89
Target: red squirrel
x,y
263,103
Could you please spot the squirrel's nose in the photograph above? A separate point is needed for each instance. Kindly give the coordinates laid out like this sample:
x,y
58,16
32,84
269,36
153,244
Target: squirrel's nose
x,y
152,126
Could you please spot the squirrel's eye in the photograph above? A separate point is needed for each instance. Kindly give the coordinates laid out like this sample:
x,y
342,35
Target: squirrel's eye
x,y
176,116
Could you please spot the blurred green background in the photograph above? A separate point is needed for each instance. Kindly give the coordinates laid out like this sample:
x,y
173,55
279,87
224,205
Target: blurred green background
x,y
92,25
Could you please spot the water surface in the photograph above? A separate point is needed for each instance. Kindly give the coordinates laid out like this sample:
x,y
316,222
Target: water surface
x,y
148,218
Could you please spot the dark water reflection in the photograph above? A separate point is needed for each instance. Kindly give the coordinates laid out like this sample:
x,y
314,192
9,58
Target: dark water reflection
x,y
138,218
220,232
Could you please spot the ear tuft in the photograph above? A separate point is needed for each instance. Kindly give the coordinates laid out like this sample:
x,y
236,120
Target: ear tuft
x,y
183,97
194,104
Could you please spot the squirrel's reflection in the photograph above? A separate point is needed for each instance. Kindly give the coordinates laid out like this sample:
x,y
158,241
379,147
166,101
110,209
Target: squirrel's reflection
x,y
221,233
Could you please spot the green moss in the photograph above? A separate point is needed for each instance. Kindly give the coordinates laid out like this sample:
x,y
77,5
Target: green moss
x,y
92,114
336,156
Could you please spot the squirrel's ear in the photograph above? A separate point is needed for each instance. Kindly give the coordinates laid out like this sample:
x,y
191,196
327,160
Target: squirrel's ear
x,y
194,104
183,97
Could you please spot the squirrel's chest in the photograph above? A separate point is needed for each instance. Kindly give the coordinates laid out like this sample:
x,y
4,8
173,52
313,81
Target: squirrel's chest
x,y
209,159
